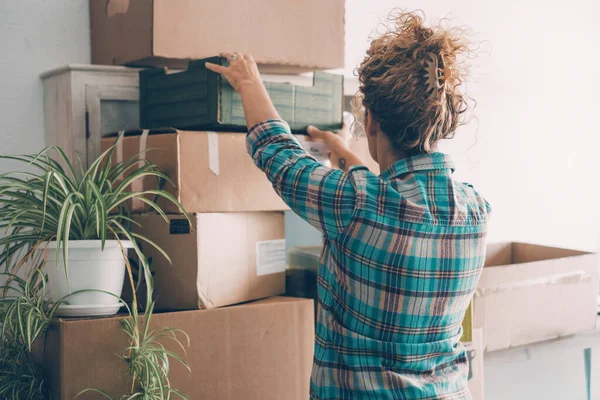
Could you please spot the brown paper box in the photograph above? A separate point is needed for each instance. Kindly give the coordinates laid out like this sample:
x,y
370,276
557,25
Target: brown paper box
x,y
212,172
256,351
529,293
283,36
217,261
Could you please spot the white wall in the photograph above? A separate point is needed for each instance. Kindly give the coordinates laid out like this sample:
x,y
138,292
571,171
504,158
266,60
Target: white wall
x,y
533,154
35,36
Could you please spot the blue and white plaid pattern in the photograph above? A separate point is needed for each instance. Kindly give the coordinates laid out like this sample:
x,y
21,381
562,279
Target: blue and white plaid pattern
x,y
402,256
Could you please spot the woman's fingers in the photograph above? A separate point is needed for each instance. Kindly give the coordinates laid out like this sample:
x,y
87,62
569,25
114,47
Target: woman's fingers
x,y
315,133
216,68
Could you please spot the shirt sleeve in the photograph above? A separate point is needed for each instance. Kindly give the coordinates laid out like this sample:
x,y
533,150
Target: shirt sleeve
x,y
323,196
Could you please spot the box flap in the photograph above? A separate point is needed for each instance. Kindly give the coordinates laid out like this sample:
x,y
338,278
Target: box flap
x,y
498,254
536,297
527,252
506,253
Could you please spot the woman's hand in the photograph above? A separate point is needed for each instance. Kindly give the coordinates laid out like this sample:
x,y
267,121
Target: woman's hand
x,y
339,144
242,73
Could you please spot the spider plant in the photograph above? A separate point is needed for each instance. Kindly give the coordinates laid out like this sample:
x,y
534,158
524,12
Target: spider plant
x,y
21,378
57,202
147,359
25,315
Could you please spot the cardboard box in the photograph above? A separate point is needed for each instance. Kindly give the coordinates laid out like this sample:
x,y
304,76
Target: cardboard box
x,y
199,99
212,172
256,351
294,36
529,293
218,260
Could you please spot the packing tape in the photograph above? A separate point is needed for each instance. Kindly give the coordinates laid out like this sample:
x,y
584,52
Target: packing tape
x,y
571,278
213,152
138,184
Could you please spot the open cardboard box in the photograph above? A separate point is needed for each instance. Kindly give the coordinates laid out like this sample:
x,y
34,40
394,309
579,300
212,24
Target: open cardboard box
x,y
255,351
294,36
529,293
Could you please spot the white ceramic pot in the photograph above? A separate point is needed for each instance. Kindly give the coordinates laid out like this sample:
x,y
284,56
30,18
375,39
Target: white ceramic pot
x,y
89,267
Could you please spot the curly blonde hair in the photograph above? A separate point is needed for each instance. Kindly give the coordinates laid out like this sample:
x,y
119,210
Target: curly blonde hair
x,y
396,82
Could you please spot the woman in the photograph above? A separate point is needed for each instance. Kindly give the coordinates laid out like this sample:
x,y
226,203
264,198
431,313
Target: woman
x,y
403,250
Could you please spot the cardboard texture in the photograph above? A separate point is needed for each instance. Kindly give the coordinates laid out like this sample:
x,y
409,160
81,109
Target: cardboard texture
x,y
529,293
199,99
211,172
256,351
215,260
294,36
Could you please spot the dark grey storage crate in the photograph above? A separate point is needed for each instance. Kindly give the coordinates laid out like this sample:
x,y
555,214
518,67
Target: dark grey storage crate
x,y
199,99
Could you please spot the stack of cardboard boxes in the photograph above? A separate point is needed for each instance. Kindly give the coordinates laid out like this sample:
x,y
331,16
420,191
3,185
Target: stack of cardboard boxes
x,y
228,260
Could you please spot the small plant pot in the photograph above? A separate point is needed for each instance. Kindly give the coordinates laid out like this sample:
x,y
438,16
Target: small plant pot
x,y
95,271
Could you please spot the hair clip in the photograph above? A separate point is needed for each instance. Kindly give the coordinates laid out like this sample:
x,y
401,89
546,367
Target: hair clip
x,y
436,76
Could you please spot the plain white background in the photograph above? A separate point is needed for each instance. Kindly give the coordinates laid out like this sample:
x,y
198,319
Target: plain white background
x,y
532,153
533,150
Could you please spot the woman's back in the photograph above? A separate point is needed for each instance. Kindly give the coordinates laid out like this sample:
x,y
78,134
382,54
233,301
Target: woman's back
x,y
395,283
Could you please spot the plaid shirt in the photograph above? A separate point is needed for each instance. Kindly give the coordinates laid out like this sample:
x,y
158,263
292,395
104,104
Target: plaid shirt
x,y
402,255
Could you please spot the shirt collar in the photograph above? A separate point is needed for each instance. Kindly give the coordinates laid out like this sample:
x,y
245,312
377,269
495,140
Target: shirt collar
x,y
421,162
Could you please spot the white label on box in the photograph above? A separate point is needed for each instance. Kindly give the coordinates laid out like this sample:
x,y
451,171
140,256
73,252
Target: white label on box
x,y
270,257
